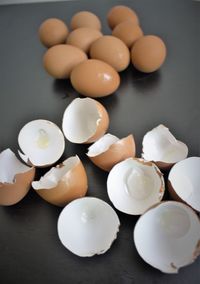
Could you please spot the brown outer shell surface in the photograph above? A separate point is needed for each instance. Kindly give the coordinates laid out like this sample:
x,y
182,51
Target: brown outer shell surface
x,y
85,19
117,152
148,53
128,32
102,126
11,194
119,14
95,78
73,185
111,50
59,60
52,32
83,38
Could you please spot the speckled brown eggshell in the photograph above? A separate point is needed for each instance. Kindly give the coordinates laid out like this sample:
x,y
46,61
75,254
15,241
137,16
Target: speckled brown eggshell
x,y
112,51
148,53
83,38
85,19
12,193
117,152
128,32
119,14
59,60
95,78
73,185
52,32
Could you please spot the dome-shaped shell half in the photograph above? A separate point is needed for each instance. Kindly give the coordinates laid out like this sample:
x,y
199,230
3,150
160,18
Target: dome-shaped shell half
x,y
42,143
85,121
88,226
134,185
184,182
63,183
15,178
162,148
110,150
168,236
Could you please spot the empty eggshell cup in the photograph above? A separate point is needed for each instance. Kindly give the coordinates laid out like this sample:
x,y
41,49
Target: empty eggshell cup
x,y
15,178
168,236
162,148
135,185
184,180
42,143
88,226
85,121
63,183
110,150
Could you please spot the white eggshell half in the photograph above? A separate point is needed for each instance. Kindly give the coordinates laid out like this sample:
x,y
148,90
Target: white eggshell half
x,y
185,181
42,143
159,145
135,185
168,236
88,226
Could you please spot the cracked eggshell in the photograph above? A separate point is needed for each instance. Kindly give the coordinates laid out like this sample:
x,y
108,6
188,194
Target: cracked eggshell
x,y
119,14
95,78
42,143
110,150
162,148
168,236
184,181
85,19
83,38
134,185
88,226
63,183
85,121
15,178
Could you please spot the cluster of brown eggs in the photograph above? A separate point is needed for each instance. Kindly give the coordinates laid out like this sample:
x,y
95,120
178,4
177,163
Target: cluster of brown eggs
x,y
92,60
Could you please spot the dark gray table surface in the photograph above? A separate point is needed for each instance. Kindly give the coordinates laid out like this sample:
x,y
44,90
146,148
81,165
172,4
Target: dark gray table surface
x,y
30,251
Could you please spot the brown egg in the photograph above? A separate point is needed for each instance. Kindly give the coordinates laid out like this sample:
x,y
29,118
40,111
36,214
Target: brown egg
x,y
83,38
52,32
95,78
112,51
148,53
115,153
119,14
59,60
71,183
128,32
85,19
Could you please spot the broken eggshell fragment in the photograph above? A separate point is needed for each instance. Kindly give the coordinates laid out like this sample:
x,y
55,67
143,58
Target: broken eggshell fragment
x,y
167,236
184,180
134,185
88,226
15,178
162,148
110,150
63,183
42,143
85,121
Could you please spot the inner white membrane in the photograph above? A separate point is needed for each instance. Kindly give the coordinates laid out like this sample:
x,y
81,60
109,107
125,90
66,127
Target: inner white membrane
x,y
10,166
81,119
102,145
55,174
